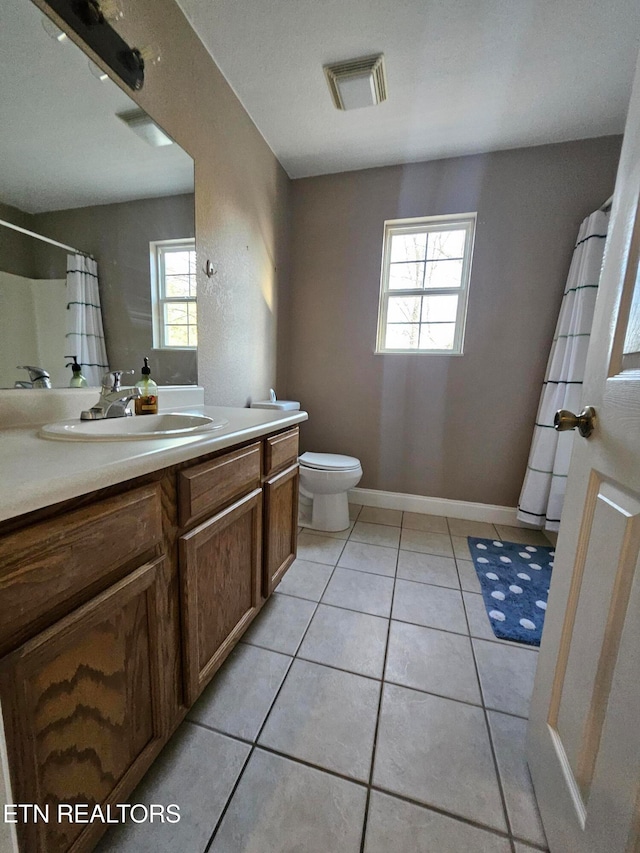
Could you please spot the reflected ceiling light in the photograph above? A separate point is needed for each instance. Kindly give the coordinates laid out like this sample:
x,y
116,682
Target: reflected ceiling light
x,y
357,82
97,72
144,127
52,31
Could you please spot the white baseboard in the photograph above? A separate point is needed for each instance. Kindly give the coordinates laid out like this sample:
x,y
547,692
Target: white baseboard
x,y
435,506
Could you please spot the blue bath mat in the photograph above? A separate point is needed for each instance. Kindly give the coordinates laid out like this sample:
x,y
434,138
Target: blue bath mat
x,y
515,583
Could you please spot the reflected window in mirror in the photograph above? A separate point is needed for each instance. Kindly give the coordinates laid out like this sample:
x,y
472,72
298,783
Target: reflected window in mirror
x,y
174,294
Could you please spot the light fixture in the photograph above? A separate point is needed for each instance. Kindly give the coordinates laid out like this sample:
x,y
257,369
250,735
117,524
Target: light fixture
x,y
357,82
52,31
97,72
89,20
144,127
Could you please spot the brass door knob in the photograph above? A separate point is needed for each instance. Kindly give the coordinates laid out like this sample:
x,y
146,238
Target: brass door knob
x,y
584,422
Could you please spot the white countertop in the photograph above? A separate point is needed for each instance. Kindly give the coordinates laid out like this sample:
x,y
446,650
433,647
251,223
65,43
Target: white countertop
x,y
37,472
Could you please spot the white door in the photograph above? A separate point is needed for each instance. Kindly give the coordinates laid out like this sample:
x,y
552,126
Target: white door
x,y
584,730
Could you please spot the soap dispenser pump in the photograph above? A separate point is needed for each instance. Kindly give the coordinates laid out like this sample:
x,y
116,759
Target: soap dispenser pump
x,y
147,402
77,379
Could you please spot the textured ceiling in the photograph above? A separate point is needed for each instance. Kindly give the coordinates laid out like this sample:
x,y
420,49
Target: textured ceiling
x,y
464,76
61,144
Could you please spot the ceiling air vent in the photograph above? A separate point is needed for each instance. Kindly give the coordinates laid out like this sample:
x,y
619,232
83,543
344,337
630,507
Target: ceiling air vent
x,y
357,82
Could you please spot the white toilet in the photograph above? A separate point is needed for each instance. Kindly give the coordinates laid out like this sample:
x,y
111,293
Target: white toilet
x,y
325,479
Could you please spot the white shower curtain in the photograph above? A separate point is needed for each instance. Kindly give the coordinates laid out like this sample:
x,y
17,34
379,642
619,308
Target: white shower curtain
x,y
85,334
543,490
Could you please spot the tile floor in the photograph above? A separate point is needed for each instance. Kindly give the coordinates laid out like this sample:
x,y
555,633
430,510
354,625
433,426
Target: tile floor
x,y
369,709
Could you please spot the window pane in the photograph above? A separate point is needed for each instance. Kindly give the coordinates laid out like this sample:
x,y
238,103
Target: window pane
x,y
440,309
438,336
443,274
193,336
177,336
175,313
404,309
405,276
402,336
408,247
192,312
445,244
176,263
176,286
192,263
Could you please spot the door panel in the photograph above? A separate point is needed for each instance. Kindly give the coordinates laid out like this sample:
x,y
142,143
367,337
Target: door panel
x,y
83,709
584,751
220,565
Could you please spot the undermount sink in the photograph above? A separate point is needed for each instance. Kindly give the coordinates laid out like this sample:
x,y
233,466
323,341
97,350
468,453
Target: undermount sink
x,y
173,425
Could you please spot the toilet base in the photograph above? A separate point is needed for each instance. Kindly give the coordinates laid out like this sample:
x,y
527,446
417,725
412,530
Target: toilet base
x,y
329,512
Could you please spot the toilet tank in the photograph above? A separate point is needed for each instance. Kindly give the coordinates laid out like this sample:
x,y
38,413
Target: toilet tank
x,y
280,405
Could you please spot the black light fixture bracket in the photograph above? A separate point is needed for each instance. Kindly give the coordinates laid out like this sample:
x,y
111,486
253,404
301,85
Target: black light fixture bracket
x,y
86,18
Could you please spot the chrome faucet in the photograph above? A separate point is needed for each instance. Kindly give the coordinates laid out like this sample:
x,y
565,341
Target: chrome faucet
x,y
38,377
114,399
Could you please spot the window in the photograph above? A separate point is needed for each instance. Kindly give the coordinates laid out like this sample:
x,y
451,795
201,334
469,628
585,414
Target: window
x,y
173,294
426,264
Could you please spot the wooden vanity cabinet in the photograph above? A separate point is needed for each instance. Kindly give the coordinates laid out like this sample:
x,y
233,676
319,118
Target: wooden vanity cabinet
x,y
118,608
83,682
280,525
280,507
220,570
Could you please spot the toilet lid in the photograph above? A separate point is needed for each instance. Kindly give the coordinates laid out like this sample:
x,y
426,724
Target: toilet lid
x,y
329,461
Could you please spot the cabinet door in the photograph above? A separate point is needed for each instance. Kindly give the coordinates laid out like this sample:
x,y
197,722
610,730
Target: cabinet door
x,y
83,711
220,576
281,527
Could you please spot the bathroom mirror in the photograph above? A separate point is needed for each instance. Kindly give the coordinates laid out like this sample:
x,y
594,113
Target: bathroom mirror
x,y
83,166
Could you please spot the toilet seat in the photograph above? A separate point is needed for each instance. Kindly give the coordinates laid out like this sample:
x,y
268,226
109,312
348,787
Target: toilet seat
x,y
329,462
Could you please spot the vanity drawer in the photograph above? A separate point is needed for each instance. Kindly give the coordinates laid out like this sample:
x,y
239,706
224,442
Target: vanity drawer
x,y
206,488
281,450
52,566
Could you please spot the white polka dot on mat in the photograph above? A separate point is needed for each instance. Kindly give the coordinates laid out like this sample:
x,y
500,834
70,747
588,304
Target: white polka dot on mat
x,y
524,555
524,576
531,548
505,559
552,553
497,594
535,566
498,615
482,560
528,624
498,544
492,576
515,588
541,604
481,546
551,564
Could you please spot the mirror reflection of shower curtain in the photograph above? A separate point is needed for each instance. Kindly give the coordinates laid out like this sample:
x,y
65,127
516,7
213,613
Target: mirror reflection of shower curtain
x,y
85,333
543,490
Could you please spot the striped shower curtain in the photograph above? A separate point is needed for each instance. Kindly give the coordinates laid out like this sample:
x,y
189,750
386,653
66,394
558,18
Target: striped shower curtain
x,y
543,490
85,334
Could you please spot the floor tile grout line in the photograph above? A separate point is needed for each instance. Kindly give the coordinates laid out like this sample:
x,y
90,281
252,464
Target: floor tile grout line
x,y
386,680
264,722
508,643
363,784
370,787
379,711
491,744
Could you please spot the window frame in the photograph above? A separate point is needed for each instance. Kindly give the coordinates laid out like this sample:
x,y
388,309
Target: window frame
x,y
158,298
421,225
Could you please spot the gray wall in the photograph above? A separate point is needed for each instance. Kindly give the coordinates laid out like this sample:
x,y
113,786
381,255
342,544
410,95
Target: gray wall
x,y
118,236
441,426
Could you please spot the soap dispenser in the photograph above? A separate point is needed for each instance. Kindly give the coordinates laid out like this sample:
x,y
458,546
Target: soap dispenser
x,y
147,402
77,379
